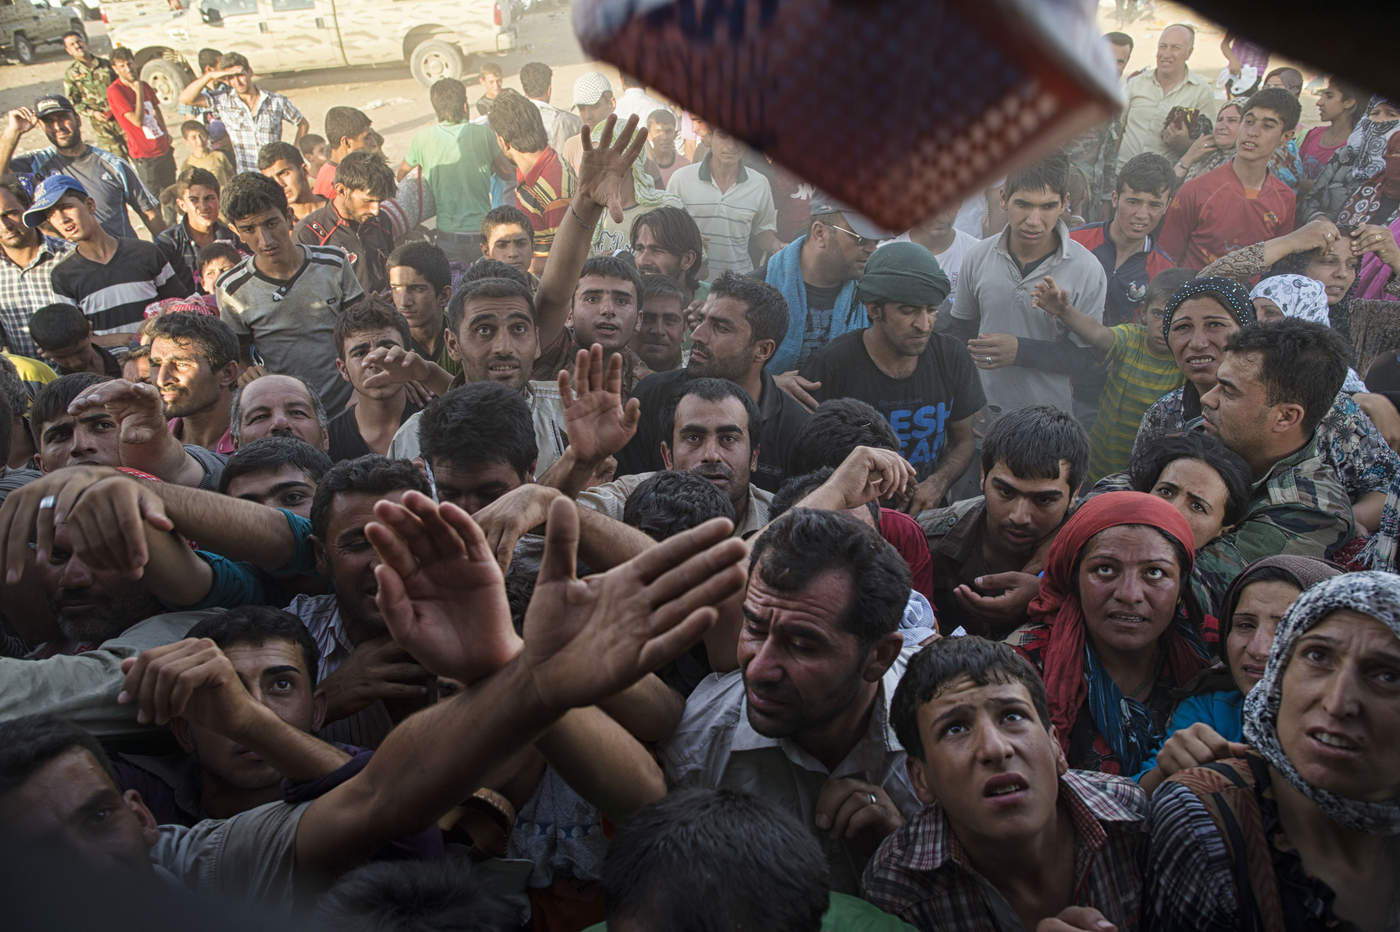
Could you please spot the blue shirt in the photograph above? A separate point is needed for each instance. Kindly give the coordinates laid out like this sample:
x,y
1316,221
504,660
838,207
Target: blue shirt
x,y
1223,711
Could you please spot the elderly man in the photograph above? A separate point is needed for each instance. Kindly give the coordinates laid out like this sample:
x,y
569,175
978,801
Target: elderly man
x,y
1152,93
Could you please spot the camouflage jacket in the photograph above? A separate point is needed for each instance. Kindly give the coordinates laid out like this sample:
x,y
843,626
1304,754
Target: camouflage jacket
x,y
87,87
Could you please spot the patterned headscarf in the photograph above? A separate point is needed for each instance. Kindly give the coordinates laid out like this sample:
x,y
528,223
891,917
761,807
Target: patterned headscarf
x,y
1376,595
1367,143
1226,292
1304,298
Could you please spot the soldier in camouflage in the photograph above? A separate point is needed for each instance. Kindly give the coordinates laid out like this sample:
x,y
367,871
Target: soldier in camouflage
x,y
85,83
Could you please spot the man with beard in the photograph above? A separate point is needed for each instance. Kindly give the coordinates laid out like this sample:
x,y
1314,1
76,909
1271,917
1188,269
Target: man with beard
x,y
110,181
197,195
804,721
27,258
710,431
194,364
666,241
741,323
363,180
85,83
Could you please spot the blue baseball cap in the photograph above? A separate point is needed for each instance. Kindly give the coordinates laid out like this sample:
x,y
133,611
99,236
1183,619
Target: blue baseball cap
x,y
47,194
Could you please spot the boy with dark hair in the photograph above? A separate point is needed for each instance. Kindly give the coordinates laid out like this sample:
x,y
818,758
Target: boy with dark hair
x,y
280,472
1123,244
1140,365
1008,834
202,155
285,297
380,406
64,335
478,442
508,236
544,183
62,439
363,180
315,150
214,260
662,157
197,194
985,549
660,326
347,130
1241,202
136,109
1025,357
666,503
837,427
285,164
537,81
604,311
420,284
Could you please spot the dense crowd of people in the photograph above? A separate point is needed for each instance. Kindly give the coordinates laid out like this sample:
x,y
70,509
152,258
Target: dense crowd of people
x,y
647,541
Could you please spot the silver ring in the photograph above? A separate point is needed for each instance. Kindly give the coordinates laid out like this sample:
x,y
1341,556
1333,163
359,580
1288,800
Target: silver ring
x,y
48,501
873,800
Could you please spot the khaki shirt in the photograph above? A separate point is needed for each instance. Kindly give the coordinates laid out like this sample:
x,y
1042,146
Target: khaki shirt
x,y
1148,106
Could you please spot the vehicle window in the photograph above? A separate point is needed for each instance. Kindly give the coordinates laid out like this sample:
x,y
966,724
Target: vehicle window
x,y
280,6
229,8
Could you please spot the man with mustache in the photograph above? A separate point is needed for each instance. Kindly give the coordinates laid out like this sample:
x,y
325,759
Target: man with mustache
x,y
194,365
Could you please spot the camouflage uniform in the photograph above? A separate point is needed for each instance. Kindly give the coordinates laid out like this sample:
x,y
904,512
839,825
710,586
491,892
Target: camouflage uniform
x,y
87,89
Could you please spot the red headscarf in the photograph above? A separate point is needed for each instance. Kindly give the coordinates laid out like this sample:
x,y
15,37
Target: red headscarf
x,y
1057,603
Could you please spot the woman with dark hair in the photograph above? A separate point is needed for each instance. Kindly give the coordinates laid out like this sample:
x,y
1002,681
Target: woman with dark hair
x,y
1360,158
1207,722
1341,106
1199,477
1302,829
1115,629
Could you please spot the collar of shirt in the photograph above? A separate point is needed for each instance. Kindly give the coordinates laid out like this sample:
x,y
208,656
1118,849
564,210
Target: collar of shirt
x,y
1278,472
547,159
49,248
965,537
706,176
321,616
1061,252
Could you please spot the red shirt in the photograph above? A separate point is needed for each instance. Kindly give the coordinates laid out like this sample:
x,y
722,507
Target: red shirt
x,y
544,193
1214,215
139,144
324,184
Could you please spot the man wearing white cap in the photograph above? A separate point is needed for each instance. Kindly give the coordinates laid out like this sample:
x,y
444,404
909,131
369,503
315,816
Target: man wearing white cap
x,y
593,99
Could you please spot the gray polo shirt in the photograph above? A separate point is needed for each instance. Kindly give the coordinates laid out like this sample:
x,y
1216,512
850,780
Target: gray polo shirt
x,y
994,296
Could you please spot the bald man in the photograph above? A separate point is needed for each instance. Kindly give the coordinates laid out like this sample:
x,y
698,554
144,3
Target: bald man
x,y
1153,92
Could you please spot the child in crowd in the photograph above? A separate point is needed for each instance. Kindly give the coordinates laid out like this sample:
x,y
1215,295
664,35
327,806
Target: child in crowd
x,y
203,154
316,152
214,260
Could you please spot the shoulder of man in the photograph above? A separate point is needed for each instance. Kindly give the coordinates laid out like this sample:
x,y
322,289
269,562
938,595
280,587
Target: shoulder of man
x,y
938,522
251,854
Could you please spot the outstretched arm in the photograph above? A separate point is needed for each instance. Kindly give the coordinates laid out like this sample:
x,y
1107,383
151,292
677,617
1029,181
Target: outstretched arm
x,y
1054,301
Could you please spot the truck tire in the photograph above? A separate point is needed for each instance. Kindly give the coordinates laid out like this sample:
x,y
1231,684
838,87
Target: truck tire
x,y
168,79
434,60
24,49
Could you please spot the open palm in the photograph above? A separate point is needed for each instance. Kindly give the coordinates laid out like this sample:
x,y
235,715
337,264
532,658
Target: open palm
x,y
596,420
605,169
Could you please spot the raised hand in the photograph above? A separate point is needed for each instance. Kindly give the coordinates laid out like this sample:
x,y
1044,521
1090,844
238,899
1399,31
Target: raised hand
x,y
605,170
376,669
1370,237
394,365
596,420
440,591
848,808
1050,298
1194,746
20,121
135,406
511,517
587,639
190,679
867,474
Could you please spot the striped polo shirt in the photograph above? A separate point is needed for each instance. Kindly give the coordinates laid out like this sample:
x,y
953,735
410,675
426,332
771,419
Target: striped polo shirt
x,y
114,294
1136,379
727,219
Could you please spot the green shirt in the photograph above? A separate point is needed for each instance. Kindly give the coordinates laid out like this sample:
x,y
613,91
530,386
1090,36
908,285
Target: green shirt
x,y
457,159
1136,379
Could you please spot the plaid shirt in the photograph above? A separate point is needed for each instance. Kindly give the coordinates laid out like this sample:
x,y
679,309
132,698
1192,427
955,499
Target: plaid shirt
x,y
922,874
24,290
250,130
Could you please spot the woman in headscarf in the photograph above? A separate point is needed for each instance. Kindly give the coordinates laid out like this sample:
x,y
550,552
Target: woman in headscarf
x,y
1302,298
1114,628
1302,832
1351,165
1208,723
1214,149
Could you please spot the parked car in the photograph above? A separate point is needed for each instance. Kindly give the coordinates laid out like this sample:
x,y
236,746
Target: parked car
x,y
88,9
27,25
434,37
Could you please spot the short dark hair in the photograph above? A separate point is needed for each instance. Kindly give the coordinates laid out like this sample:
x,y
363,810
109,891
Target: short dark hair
x,y
711,390
1149,461
426,259
255,625
766,309
448,97
1050,173
54,398
56,326
806,542
620,267
373,314
1164,284
219,249
210,335
503,215
490,67
236,406
445,895
948,660
122,53
345,123
1147,172
486,267
487,288
1119,38
308,143
370,474
208,58
234,60
837,427
536,78
250,193
516,120
1278,100
663,116
72,33
666,503
280,151
659,286
762,868
18,190
480,422
1300,362
675,230
366,171
193,126
29,742
1033,441
271,453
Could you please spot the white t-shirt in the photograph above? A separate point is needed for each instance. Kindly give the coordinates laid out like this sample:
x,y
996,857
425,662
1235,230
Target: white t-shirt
x,y
950,259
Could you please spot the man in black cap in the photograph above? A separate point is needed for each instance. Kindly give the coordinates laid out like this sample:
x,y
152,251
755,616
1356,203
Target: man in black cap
x,y
817,274
110,181
924,383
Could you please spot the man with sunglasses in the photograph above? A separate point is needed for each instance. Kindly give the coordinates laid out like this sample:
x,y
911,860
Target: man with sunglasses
x,y
817,273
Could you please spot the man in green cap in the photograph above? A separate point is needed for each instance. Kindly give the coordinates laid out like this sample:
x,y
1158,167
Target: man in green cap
x,y
924,383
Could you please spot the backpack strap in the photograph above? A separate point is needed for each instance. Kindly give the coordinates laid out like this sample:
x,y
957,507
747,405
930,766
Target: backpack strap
x,y
1227,791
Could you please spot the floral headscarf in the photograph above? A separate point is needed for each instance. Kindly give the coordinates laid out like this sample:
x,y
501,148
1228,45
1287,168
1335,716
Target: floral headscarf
x,y
1376,595
1367,143
1303,298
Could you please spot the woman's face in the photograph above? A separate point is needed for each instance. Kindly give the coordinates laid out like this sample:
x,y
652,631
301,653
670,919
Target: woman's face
x,y
1267,310
1195,489
1384,112
1252,628
1197,338
1339,715
1227,126
1336,268
1129,586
